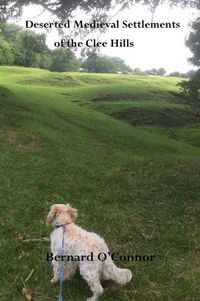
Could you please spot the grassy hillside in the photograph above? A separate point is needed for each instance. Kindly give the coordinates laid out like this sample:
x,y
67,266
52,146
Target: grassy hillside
x,y
124,151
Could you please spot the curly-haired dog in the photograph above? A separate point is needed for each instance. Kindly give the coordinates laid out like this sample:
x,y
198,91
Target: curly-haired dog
x,y
80,242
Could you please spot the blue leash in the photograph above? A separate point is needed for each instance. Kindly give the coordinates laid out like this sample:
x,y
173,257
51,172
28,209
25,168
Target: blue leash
x,y
62,266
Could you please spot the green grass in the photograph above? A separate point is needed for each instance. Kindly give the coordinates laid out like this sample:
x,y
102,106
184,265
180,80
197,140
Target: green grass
x,y
134,178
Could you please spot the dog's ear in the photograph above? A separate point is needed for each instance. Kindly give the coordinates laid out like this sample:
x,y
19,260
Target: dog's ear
x,y
53,212
72,212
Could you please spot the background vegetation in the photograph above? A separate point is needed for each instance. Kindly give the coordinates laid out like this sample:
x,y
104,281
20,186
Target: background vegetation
x,y
28,49
191,88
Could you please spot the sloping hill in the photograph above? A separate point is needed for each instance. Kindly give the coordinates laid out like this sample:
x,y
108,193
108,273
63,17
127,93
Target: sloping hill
x,y
133,185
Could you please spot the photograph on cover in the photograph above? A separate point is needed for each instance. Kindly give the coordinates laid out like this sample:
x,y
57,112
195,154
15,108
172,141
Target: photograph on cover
x,y
99,150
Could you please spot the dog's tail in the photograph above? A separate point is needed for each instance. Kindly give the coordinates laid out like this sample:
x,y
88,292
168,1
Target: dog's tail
x,y
110,271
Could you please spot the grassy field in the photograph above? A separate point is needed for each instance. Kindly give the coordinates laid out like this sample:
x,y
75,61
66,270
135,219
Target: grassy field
x,y
123,150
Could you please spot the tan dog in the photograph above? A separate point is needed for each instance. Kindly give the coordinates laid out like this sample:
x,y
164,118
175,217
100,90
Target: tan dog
x,y
84,249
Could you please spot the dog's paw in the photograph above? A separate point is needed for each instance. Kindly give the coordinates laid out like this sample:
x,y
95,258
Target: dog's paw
x,y
53,280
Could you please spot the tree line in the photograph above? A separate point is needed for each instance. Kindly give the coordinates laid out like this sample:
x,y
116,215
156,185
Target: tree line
x,y
28,49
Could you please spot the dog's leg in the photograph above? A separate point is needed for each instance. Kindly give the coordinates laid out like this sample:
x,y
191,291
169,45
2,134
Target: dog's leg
x,y
95,287
90,272
56,271
70,270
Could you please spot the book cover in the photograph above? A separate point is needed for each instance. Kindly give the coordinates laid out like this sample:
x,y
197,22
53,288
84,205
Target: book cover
x,y
99,150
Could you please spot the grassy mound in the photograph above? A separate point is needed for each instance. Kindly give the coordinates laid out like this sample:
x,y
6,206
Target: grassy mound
x,y
171,117
135,186
53,80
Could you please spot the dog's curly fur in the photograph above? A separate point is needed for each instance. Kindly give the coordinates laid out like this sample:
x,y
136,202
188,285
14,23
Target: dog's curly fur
x,y
80,242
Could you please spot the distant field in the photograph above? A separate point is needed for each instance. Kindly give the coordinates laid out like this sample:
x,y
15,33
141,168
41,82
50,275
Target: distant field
x,y
122,149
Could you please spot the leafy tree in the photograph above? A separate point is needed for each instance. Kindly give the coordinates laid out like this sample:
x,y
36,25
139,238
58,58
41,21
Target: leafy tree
x,y
98,64
63,59
137,70
44,61
193,42
120,65
10,31
153,71
6,54
161,72
191,88
28,46
175,74
190,73
105,64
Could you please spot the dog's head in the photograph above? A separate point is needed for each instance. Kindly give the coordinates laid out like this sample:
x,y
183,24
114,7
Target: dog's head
x,y
61,215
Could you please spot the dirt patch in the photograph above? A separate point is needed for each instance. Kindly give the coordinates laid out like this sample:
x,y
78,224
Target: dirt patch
x,y
19,139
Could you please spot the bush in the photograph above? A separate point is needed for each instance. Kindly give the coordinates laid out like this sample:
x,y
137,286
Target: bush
x,y
191,88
